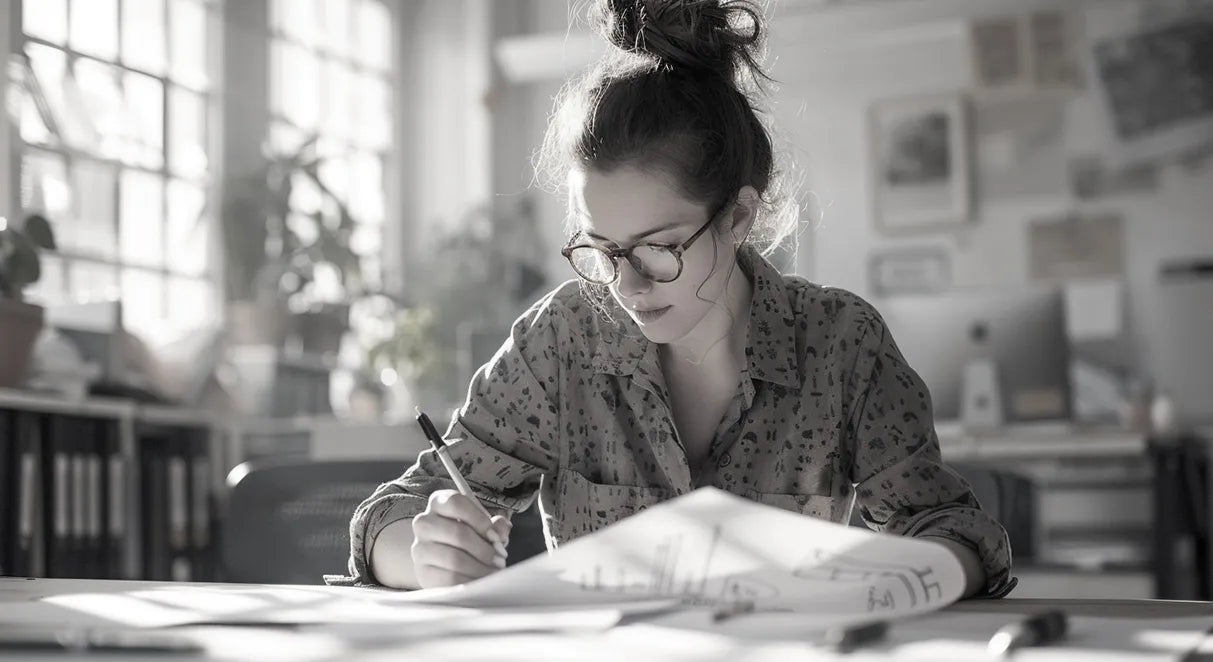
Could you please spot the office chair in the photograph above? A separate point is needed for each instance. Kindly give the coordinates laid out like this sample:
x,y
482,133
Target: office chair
x,y
287,519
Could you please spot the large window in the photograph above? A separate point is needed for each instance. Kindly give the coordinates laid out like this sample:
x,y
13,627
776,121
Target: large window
x,y
115,103
331,78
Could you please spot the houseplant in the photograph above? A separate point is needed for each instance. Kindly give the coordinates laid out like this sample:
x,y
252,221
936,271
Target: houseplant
x,y
283,227
20,267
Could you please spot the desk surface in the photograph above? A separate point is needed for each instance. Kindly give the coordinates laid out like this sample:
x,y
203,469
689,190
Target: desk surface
x,y
264,622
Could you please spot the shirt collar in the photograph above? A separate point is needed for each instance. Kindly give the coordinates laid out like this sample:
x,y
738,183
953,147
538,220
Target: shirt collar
x,y
770,337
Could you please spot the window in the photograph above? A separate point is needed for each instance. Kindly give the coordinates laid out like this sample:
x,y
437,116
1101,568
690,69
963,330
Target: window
x,y
114,104
331,77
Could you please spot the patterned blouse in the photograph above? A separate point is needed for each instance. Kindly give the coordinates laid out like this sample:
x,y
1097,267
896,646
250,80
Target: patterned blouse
x,y
573,409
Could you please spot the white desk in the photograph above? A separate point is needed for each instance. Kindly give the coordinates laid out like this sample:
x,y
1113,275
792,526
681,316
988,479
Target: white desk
x,y
1100,630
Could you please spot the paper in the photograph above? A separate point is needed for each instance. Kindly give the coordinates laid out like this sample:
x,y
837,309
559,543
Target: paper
x,y
1093,309
713,550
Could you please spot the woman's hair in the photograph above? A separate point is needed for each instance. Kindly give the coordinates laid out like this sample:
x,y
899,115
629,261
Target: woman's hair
x,y
673,97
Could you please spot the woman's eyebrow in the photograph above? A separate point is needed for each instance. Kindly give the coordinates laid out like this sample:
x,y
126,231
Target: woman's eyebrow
x,y
641,235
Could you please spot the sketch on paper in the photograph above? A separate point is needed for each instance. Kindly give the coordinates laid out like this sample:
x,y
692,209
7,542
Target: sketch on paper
x,y
713,549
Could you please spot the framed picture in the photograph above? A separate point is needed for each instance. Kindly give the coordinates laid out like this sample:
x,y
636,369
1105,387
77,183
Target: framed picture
x,y
919,150
909,270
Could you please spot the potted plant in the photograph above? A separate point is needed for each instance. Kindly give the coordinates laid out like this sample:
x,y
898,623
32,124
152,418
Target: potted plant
x,y
275,254
20,267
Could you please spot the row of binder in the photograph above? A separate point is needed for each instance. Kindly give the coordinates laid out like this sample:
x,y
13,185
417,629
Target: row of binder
x,y
66,495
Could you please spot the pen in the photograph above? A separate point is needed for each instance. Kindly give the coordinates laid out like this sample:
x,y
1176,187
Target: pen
x,y
1042,628
440,448
845,639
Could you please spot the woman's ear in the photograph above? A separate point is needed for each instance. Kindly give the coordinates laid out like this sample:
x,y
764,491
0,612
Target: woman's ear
x,y
745,210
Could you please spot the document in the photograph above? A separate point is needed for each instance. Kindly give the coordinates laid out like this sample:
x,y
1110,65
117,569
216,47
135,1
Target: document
x,y
715,550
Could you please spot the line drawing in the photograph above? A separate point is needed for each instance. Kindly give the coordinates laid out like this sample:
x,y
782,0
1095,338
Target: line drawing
x,y
919,583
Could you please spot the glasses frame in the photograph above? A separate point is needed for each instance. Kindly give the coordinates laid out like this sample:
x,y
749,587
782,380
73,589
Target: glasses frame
x,y
615,253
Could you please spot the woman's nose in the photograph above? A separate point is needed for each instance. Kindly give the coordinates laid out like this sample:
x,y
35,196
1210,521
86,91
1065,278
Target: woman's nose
x,y
630,280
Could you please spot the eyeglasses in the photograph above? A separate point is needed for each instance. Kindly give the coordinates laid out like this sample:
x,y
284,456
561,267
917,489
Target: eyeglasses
x,y
657,262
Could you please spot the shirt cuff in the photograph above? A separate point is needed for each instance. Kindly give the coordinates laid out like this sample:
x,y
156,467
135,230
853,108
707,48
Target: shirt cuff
x,y
370,522
985,537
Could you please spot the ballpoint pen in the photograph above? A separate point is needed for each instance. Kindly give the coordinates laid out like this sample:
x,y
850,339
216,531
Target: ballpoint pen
x,y
1042,628
440,448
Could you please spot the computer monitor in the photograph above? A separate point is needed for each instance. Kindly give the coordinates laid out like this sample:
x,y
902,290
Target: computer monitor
x,y
1022,331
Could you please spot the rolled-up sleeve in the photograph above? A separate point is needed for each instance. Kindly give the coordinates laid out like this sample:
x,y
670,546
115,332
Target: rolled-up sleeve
x,y
901,484
503,438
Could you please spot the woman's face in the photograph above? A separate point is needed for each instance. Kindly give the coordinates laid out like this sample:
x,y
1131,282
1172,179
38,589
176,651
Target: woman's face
x,y
629,206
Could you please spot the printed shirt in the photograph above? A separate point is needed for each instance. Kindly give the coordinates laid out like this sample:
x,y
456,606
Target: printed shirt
x,y
573,410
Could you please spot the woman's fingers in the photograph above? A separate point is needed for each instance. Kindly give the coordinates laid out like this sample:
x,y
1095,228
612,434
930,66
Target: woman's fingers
x,y
453,542
454,533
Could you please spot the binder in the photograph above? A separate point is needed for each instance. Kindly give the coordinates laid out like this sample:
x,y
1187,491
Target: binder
x,y
28,550
177,447
153,507
8,493
57,496
114,518
93,434
200,504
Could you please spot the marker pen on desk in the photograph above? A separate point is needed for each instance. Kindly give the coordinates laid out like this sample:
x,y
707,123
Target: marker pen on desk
x,y
847,638
1043,628
440,448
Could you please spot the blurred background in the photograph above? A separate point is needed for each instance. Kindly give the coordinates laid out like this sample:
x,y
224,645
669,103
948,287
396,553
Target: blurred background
x,y
241,240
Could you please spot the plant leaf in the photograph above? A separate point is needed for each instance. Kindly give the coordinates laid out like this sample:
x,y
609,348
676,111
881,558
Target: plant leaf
x,y
38,230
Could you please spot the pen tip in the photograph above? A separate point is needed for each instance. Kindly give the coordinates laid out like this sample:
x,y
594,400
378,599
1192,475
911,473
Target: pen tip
x,y
417,409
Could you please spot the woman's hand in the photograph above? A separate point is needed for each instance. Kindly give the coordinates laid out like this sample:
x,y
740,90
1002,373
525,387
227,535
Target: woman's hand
x,y
453,543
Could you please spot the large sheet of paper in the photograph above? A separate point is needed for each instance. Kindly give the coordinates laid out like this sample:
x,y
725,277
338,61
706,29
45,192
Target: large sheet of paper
x,y
713,549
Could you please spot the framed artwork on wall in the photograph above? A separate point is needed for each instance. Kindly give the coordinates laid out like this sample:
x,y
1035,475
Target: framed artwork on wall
x,y
909,270
920,162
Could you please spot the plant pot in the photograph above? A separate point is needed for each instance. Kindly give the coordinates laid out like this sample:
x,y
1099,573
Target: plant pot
x,y
256,323
20,324
321,329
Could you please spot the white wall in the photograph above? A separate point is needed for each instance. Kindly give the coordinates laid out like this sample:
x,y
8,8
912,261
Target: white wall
x,y
8,206
829,83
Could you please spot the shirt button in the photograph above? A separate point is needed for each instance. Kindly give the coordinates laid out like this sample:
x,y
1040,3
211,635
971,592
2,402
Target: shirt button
x,y
724,461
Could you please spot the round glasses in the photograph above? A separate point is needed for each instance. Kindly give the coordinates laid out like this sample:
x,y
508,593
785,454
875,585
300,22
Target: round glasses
x,y
660,263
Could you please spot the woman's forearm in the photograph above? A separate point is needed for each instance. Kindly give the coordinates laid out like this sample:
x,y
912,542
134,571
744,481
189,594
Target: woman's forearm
x,y
974,573
391,559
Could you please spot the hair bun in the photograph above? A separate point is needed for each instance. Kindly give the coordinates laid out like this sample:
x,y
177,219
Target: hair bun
x,y
711,35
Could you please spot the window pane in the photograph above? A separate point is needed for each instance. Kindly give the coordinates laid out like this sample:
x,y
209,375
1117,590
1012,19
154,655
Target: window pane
x,y
46,19
143,303
50,66
295,92
44,186
374,36
335,173
366,198
143,45
94,229
140,224
336,17
367,239
31,125
337,99
187,133
107,126
145,103
189,233
95,27
296,19
189,28
191,304
285,139
373,112
91,281
50,288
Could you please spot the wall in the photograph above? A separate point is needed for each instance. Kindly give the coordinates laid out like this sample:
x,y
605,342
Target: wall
x,y
8,170
829,83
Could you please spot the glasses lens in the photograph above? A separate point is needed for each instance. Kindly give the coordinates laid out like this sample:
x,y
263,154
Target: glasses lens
x,y
592,264
655,263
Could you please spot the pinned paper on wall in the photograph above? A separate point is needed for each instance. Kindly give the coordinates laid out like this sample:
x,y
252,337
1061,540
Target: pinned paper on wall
x,y
1076,246
1094,309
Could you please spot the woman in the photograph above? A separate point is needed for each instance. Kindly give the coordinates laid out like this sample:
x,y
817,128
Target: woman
x,y
680,357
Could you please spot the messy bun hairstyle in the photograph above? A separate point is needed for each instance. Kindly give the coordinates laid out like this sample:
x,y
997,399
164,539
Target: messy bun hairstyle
x,y
673,97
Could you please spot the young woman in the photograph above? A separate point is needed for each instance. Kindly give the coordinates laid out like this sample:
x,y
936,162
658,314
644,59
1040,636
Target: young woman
x,y
680,357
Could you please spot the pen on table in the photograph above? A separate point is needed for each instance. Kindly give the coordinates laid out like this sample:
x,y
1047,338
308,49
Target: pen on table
x,y
1042,628
460,483
845,639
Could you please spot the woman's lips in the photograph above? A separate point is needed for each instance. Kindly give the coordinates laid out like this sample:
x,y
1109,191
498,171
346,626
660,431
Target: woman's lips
x,y
648,316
